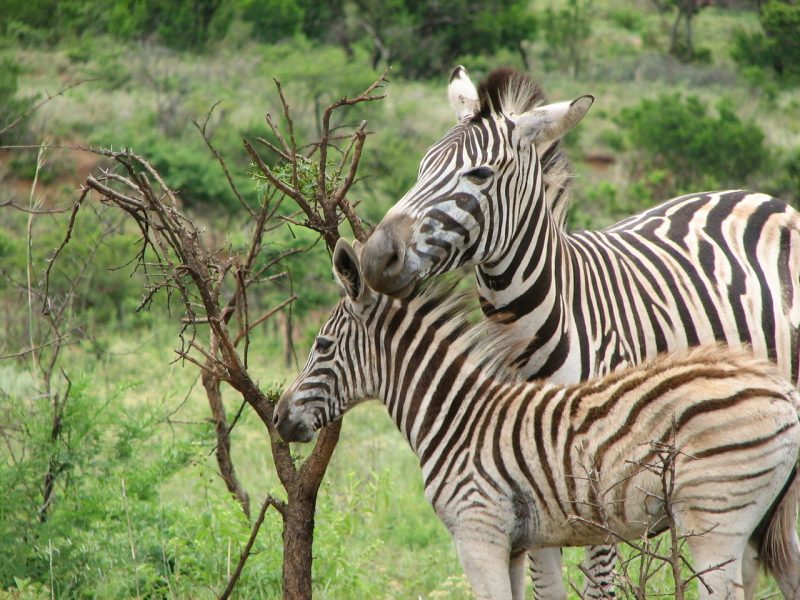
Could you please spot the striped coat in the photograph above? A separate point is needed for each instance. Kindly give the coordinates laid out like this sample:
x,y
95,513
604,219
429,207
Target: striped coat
x,y
512,465
493,193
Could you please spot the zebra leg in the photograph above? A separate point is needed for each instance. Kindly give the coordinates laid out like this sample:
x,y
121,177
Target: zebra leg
x,y
708,552
548,581
750,569
487,564
599,562
517,574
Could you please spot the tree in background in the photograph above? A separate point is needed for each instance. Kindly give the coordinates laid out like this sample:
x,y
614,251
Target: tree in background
x,y
777,46
421,38
424,39
681,38
567,31
180,24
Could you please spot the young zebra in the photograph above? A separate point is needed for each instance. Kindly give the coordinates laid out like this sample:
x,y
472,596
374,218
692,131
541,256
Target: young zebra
x,y
505,462
493,193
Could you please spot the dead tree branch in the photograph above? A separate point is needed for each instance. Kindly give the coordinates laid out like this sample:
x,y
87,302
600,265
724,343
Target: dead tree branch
x,y
175,260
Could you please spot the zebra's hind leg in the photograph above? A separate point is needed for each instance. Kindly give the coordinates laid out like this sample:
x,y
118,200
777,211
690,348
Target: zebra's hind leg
x,y
599,562
545,567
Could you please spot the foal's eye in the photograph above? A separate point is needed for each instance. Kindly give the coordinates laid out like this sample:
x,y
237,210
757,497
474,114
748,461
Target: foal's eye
x,y
479,175
323,345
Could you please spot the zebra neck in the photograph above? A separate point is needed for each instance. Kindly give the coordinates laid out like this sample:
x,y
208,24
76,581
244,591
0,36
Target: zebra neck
x,y
534,264
423,383
530,288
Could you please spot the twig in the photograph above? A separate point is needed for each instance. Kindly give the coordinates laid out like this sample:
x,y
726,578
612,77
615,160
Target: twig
x,y
41,103
280,506
64,242
34,349
264,317
221,161
48,211
365,96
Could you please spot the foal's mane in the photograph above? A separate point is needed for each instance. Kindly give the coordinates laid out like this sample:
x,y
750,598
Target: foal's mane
x,y
506,91
484,342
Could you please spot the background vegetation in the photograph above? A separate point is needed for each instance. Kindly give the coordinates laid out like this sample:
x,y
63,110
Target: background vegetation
x,y
690,96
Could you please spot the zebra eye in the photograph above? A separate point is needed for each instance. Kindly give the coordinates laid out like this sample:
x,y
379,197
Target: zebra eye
x,y
479,174
323,345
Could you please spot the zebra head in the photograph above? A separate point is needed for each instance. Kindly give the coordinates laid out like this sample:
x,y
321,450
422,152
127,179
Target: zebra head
x,y
335,376
474,185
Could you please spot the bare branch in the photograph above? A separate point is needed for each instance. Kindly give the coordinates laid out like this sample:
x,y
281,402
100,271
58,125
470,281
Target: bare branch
x,y
34,349
221,161
264,317
46,211
280,506
41,103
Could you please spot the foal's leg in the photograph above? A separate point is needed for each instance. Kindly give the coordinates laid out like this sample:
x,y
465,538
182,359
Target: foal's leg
x,y
487,564
548,582
750,564
599,562
517,574
709,551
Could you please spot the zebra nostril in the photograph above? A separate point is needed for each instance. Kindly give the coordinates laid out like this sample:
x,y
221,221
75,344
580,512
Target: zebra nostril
x,y
278,417
394,259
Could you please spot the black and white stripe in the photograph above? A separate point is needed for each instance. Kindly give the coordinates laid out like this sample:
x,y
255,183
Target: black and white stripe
x,y
721,266
511,465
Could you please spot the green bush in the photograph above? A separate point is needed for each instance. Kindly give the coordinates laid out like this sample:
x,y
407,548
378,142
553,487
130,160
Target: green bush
x,y
11,105
181,24
775,48
696,148
627,18
273,20
424,39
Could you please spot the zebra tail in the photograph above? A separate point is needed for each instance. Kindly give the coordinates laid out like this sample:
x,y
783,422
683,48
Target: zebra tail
x,y
776,543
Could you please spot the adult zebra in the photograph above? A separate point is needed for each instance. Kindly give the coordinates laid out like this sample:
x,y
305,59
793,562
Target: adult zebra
x,y
509,465
713,266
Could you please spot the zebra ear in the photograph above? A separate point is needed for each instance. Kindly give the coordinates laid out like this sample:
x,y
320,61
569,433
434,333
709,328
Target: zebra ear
x,y
462,94
357,248
347,270
548,123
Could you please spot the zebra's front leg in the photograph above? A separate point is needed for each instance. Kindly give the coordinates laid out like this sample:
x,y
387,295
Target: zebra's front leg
x,y
599,562
488,566
545,567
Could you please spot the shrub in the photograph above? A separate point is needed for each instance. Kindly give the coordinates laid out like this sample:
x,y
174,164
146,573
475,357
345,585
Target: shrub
x,y
11,106
680,137
775,48
273,20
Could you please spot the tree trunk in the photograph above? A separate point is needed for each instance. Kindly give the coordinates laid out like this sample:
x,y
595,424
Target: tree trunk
x,y
298,539
223,449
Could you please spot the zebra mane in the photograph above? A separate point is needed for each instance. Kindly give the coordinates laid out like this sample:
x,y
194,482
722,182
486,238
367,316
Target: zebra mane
x,y
480,341
506,91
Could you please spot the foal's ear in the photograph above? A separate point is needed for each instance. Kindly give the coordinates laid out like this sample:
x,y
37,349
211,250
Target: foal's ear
x,y
462,94
347,270
548,123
